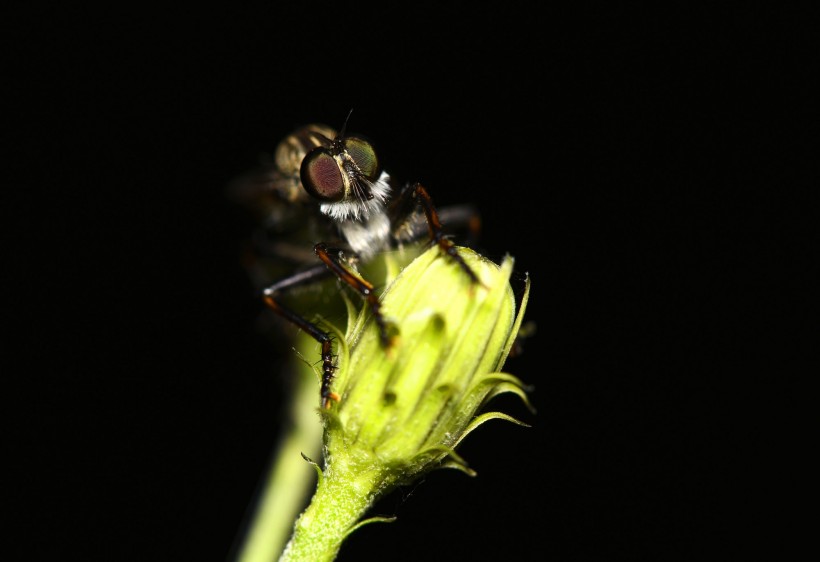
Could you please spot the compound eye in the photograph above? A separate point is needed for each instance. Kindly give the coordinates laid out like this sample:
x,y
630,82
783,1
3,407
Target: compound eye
x,y
321,176
364,156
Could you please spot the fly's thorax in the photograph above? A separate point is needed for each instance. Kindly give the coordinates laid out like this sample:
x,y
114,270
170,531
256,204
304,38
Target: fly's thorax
x,y
369,236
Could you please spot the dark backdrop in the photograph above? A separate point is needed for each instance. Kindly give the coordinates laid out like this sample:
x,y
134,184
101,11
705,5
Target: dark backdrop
x,y
596,145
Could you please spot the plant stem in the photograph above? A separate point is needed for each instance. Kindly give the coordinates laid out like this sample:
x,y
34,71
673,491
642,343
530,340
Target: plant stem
x,y
287,484
341,499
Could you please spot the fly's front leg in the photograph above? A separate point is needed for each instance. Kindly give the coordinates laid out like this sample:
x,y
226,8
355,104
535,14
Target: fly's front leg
x,y
437,232
271,297
331,259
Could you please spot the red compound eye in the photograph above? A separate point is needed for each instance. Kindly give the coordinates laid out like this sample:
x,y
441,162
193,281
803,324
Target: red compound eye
x,y
321,176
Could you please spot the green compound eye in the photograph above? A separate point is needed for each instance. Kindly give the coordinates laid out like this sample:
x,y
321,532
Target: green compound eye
x,y
364,156
321,176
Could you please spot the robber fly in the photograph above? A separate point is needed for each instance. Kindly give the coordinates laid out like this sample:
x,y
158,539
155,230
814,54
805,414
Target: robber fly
x,y
330,188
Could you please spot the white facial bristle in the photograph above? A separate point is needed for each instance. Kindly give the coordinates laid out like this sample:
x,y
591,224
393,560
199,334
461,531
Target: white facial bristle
x,y
357,209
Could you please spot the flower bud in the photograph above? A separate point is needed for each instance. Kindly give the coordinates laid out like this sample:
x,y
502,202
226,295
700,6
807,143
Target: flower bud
x,y
403,409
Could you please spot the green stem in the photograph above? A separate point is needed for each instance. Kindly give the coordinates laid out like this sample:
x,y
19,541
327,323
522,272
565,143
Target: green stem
x,y
341,499
287,485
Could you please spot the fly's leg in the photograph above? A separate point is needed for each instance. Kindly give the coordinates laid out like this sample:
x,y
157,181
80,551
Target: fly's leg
x,y
271,297
331,259
437,232
332,263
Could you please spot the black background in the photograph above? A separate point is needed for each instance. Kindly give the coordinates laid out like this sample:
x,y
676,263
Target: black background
x,y
600,147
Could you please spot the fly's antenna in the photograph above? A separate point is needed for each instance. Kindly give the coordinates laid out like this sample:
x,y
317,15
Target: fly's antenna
x,y
344,125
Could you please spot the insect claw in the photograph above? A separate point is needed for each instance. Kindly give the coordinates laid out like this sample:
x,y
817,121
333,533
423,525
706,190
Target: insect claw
x,y
390,348
331,397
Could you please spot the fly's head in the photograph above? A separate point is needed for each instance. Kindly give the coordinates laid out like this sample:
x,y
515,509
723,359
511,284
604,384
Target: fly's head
x,y
344,175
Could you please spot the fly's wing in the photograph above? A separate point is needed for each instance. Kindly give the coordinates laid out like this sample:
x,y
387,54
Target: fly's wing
x,y
258,192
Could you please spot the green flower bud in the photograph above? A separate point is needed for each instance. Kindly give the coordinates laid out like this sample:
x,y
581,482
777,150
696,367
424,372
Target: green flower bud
x,y
404,409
